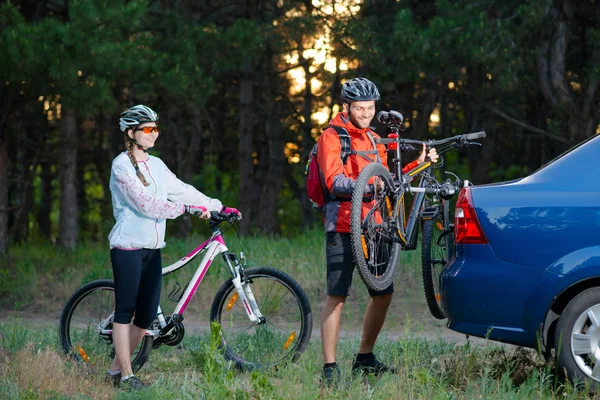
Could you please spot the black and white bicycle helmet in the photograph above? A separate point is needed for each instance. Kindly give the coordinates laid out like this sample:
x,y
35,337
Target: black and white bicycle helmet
x,y
135,116
359,89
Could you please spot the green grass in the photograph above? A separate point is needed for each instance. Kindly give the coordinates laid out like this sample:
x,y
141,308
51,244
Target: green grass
x,y
40,277
32,367
37,279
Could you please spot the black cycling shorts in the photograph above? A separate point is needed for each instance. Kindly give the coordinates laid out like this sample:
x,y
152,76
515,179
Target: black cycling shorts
x,y
340,266
138,277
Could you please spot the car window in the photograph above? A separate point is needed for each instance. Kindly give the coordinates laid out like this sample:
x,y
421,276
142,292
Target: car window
x,y
586,146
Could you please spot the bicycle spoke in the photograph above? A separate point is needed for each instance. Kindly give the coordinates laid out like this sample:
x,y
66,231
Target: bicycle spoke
x,y
276,311
276,337
85,311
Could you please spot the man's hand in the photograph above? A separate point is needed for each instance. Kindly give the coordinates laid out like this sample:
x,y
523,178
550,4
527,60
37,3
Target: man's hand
x,y
379,185
198,211
432,154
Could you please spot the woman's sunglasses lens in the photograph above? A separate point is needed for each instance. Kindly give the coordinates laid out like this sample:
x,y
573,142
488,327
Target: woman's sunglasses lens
x,y
149,129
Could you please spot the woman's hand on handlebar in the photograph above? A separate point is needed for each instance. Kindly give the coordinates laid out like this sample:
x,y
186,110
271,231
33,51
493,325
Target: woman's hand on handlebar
x,y
231,210
198,211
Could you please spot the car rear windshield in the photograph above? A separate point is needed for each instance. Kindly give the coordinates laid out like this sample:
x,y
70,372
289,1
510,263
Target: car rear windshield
x,y
572,149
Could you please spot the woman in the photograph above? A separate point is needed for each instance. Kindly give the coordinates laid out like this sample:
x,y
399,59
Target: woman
x,y
144,194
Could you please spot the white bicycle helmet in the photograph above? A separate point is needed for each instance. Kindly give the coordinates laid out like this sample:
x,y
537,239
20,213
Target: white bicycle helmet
x,y
135,116
359,89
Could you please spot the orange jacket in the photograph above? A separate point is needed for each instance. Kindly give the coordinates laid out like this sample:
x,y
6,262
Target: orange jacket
x,y
340,178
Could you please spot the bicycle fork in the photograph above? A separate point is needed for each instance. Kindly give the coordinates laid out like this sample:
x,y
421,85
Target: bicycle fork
x,y
242,286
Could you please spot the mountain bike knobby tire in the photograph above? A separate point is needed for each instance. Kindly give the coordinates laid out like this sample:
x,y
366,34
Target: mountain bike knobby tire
x,y
86,309
375,237
433,261
281,337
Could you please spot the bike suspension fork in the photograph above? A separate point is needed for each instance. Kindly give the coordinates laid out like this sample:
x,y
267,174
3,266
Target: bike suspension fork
x,y
244,292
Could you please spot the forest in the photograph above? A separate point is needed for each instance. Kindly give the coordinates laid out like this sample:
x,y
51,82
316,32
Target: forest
x,y
244,87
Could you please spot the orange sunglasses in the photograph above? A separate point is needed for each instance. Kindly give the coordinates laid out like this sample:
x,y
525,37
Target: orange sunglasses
x,y
148,129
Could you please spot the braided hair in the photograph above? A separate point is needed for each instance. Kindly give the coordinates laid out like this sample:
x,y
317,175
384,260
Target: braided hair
x,y
129,143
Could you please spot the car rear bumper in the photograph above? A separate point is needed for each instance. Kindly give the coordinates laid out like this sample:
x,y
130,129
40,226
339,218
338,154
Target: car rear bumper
x,y
489,298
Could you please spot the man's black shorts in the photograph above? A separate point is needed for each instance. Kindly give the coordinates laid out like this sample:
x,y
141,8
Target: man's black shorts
x,y
340,266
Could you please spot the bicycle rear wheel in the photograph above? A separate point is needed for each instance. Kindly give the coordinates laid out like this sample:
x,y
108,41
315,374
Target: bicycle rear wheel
x,y
437,244
281,337
86,328
376,236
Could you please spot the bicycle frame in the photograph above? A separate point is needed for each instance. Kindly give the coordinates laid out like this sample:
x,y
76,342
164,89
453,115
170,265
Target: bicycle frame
x,y
213,246
411,229
425,170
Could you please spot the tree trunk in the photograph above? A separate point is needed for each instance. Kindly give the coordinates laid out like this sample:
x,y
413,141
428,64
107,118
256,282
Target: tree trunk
x,y
45,209
248,188
308,142
23,197
69,210
480,158
421,128
4,173
189,158
267,212
577,110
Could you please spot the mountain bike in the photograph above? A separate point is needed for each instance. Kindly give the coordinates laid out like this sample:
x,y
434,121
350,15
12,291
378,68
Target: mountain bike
x,y
264,314
379,224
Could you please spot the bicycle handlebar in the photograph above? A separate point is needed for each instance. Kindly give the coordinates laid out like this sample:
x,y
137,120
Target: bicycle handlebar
x,y
433,143
475,135
217,216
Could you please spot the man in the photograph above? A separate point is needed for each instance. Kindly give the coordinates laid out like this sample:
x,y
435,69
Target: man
x,y
358,96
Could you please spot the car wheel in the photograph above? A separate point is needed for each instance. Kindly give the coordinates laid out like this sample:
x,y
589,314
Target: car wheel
x,y
577,339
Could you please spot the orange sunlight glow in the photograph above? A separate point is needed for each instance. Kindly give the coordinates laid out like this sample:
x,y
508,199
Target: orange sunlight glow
x,y
319,56
434,118
342,8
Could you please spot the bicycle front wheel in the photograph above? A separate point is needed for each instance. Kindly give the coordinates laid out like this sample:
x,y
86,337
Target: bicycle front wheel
x,y
437,244
283,334
86,325
376,236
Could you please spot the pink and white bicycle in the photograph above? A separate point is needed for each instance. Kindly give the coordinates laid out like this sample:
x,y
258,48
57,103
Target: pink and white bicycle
x,y
265,315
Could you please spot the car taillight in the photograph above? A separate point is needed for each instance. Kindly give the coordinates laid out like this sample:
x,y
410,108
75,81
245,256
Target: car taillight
x,y
467,229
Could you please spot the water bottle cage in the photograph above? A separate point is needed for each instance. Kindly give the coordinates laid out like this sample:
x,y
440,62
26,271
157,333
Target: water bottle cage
x,y
175,296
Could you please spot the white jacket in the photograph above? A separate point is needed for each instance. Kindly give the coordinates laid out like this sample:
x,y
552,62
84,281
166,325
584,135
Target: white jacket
x,y
141,211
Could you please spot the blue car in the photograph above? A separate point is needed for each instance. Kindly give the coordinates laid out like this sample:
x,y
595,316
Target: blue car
x,y
527,265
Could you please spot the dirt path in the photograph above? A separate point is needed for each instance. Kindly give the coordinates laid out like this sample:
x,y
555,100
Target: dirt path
x,y
196,324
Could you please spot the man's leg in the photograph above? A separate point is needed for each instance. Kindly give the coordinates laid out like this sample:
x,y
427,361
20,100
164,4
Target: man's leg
x,y
373,321
330,326
365,361
339,279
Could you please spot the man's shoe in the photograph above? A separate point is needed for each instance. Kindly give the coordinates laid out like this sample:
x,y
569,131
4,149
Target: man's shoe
x,y
132,383
112,379
371,366
331,376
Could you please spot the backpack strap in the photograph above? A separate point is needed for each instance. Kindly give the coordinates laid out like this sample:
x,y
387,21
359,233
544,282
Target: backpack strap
x,y
374,151
347,149
344,141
